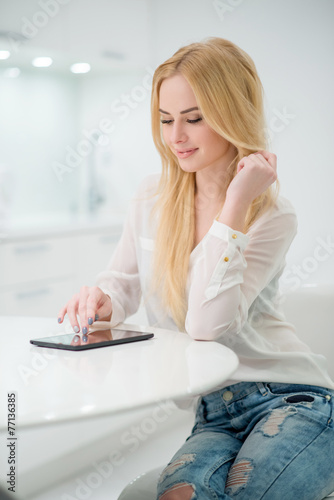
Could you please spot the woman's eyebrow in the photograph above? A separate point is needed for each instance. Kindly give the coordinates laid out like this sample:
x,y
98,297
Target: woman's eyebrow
x,y
181,112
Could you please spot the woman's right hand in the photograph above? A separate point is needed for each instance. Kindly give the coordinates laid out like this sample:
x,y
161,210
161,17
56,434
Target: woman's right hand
x,y
90,304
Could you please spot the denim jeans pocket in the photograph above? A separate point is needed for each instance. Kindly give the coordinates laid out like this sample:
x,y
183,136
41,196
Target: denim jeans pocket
x,y
315,403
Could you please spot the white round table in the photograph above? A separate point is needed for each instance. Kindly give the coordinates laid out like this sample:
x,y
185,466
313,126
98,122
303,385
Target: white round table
x,y
56,385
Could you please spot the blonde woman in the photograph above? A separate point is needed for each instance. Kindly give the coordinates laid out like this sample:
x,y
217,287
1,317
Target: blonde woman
x,y
205,246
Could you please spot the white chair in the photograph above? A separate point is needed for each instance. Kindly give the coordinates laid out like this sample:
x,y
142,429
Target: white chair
x,y
311,309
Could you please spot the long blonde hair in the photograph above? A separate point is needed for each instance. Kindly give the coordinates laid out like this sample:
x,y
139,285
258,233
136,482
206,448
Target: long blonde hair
x,y
229,94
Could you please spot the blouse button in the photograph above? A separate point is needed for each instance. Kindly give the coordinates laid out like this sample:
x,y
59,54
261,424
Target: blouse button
x,y
227,396
328,397
226,259
234,236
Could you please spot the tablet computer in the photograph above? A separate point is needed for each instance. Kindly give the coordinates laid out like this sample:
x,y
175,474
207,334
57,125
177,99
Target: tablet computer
x,y
94,339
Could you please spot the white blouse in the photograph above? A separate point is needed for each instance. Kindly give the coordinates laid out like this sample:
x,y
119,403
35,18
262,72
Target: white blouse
x,y
233,291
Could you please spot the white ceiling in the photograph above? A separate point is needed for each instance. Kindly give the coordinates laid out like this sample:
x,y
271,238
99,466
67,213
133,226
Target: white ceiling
x,y
106,33
141,33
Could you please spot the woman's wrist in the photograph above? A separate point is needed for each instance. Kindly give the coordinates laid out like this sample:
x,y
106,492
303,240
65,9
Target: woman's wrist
x,y
234,214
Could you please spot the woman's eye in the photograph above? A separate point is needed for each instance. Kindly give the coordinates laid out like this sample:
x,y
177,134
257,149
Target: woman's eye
x,y
195,121
167,122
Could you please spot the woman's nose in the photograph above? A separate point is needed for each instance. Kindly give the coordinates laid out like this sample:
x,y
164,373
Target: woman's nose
x,y
178,133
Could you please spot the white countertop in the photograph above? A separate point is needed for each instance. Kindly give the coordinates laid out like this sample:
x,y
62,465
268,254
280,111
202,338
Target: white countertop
x,y
59,224
57,385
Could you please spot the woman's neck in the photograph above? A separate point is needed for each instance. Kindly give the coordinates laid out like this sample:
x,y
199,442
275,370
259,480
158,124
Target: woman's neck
x,y
212,182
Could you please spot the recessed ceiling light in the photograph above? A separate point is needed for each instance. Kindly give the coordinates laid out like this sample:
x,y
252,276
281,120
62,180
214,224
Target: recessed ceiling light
x,y
80,68
12,72
42,62
4,54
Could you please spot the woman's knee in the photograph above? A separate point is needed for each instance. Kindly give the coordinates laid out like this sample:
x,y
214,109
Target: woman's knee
x,y
182,491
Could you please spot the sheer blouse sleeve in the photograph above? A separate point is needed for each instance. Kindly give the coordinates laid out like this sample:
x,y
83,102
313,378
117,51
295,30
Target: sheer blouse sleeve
x,y
232,270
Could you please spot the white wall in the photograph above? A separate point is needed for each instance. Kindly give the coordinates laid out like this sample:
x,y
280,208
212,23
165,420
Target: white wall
x,y
38,119
291,42
123,102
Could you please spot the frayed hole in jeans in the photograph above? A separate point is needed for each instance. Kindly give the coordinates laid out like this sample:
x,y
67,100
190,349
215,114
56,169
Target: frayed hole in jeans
x,y
274,422
180,462
238,476
187,491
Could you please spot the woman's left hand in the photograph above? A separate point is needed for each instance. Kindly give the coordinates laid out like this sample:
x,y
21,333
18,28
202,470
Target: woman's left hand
x,y
255,173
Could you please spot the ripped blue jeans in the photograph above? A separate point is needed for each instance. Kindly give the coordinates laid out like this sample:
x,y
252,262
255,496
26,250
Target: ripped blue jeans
x,y
258,441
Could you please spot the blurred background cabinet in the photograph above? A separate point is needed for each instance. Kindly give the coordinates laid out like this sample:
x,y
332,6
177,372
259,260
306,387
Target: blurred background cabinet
x,y
39,273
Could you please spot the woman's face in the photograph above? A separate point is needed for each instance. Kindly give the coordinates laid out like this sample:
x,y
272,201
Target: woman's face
x,y
189,137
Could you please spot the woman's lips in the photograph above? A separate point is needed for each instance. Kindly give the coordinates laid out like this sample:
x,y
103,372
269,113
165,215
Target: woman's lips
x,y
186,153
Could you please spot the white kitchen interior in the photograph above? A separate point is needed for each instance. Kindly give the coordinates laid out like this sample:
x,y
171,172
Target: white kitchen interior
x,y
75,142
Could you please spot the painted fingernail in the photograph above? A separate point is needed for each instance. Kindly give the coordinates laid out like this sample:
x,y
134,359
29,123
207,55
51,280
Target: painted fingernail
x,y
76,338
90,321
59,320
76,329
84,338
96,317
85,330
